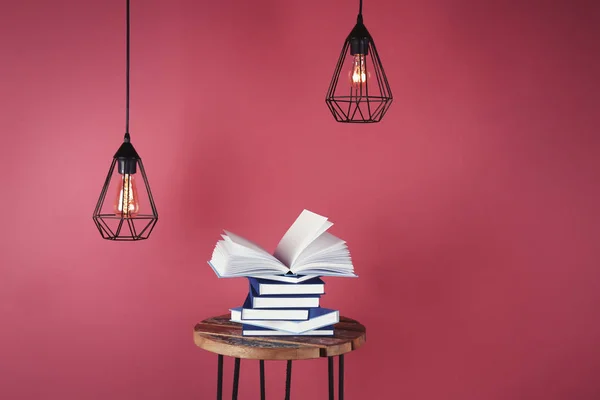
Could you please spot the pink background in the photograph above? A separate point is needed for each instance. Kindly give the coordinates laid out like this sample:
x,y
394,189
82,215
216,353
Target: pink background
x,y
471,210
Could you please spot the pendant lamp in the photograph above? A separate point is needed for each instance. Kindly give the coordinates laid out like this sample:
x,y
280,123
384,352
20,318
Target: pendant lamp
x,y
125,210
359,91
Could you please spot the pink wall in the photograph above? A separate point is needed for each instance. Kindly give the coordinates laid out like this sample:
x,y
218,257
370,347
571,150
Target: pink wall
x,y
471,210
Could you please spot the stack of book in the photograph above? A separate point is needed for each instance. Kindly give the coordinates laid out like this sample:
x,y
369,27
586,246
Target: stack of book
x,y
275,308
286,287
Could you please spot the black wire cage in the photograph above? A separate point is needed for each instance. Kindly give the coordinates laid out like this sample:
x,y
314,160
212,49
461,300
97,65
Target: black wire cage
x,y
359,91
125,212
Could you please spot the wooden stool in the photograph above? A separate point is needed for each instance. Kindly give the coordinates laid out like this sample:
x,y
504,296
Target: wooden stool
x,y
221,336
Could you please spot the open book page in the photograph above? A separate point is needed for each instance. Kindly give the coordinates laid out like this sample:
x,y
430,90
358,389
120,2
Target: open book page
x,y
245,246
324,244
307,227
328,269
236,256
305,251
326,255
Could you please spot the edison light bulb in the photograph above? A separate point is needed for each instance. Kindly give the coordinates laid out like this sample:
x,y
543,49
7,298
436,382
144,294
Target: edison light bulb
x,y
126,201
358,73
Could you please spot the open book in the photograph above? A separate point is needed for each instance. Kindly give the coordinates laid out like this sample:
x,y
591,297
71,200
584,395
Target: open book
x,y
306,249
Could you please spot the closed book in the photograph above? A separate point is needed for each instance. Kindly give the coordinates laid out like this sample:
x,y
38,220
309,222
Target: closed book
x,y
251,330
317,319
286,314
267,287
283,301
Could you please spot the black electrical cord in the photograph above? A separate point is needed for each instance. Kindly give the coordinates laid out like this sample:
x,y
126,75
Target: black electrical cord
x,y
127,79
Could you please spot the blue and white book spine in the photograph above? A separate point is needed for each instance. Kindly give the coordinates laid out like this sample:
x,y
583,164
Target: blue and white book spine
x,y
270,287
250,330
283,301
275,314
318,318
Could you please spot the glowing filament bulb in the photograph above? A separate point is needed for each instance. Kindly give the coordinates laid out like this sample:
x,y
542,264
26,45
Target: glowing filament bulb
x,y
359,73
126,201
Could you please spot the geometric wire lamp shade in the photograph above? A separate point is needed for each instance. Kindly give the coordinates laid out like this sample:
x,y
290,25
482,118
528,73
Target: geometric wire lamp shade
x,y
359,91
126,210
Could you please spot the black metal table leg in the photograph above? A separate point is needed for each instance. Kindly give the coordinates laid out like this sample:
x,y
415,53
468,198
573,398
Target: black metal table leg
x,y
236,379
330,368
262,379
341,377
220,378
288,379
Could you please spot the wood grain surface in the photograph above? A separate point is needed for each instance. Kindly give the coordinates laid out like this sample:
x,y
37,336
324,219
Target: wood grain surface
x,y
221,336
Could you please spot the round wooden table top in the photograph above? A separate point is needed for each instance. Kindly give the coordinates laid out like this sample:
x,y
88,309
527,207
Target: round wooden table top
x,y
220,335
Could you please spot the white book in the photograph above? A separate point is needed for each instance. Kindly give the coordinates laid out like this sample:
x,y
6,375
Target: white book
x,y
306,249
316,332
265,287
318,318
302,301
249,313
274,314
